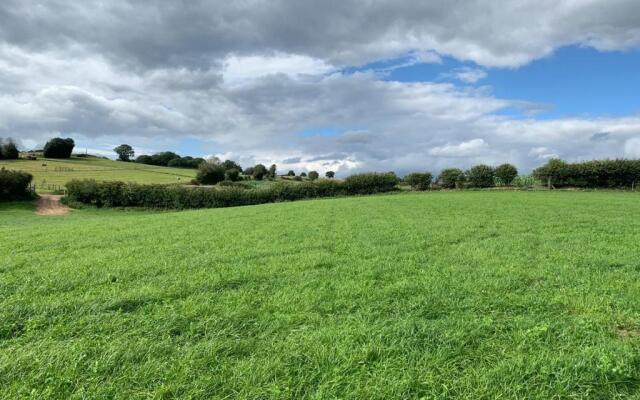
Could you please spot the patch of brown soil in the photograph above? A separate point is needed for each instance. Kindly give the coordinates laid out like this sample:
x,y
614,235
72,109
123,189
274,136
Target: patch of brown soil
x,y
624,332
49,204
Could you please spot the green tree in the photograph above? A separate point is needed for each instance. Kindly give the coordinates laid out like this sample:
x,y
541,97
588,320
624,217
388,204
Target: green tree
x,y
419,181
210,174
330,174
272,171
124,152
232,175
313,175
291,173
451,178
506,173
481,176
9,150
59,148
259,172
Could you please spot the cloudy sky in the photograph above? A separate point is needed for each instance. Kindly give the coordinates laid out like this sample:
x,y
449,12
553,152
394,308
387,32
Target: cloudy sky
x,y
336,84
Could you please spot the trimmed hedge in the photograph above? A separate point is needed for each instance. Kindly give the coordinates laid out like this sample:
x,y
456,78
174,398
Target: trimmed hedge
x,y
618,173
120,194
14,185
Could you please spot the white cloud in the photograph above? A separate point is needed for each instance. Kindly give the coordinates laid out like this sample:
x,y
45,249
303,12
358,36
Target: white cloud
x,y
471,148
632,147
466,74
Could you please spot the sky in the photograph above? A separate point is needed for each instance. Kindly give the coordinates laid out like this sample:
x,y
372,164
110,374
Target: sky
x,y
342,85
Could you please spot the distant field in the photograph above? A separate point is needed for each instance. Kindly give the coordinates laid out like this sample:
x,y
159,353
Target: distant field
x,y
59,172
437,295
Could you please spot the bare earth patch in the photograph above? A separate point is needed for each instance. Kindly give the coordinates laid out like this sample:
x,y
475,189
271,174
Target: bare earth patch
x,y
49,204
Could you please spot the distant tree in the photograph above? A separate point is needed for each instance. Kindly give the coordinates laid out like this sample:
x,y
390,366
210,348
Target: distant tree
x,y
303,174
291,173
481,176
59,148
313,175
451,178
506,173
330,174
210,174
144,159
232,175
213,160
259,172
419,181
272,171
229,164
124,152
248,171
9,150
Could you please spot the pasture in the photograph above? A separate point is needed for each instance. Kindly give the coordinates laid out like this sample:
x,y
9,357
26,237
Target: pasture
x,y
49,172
416,295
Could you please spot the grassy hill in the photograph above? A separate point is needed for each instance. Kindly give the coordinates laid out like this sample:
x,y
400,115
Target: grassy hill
x,y
48,172
437,295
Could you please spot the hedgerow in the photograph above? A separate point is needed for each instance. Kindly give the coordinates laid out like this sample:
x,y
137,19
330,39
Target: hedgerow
x,y
14,185
120,194
618,173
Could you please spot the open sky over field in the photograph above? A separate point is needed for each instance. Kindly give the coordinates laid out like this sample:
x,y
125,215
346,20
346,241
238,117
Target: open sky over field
x,y
343,85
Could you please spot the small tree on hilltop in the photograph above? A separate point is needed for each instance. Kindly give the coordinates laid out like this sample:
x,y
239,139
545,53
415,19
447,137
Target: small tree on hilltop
x,y
124,152
506,173
419,181
303,174
330,174
9,150
230,164
291,173
481,176
259,172
313,175
451,178
59,148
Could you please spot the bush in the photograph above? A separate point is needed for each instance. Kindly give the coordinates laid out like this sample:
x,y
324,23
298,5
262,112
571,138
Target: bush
x,y
59,148
9,150
297,178
481,176
419,181
369,183
330,174
210,174
232,174
259,172
291,173
313,175
506,173
14,185
451,178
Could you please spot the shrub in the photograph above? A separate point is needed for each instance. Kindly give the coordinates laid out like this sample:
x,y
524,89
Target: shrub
x,y
229,164
313,175
369,183
59,148
451,178
506,173
297,178
419,181
210,174
9,150
291,173
14,185
330,174
259,172
481,176
232,174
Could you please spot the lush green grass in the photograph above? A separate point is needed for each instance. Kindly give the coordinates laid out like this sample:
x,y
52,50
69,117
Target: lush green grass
x,y
437,295
48,172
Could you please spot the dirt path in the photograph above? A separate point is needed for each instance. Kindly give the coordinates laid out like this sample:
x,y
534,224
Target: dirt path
x,y
49,204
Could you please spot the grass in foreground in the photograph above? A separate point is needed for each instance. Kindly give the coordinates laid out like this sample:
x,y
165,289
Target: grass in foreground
x,y
438,295
48,172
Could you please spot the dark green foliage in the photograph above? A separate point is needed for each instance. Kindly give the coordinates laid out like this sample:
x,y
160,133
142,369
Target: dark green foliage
x,y
59,148
291,173
272,171
14,185
297,178
618,173
230,164
313,175
330,174
419,181
481,176
124,152
186,162
248,171
210,174
232,174
371,182
170,159
303,174
120,194
259,172
506,173
451,178
9,150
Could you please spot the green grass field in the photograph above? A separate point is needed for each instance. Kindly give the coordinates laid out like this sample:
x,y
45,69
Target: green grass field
x,y
530,295
59,172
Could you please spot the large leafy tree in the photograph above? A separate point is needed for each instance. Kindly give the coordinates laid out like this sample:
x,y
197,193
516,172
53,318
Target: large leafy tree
x,y
125,152
59,148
